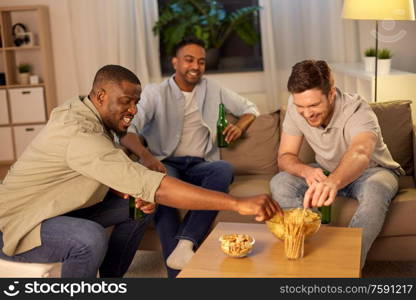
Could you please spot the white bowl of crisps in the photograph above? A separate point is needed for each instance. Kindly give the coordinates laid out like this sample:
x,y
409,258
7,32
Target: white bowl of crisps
x,y
236,244
310,219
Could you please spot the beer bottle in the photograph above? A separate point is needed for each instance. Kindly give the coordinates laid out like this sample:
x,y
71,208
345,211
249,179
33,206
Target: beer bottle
x,y
325,210
221,125
134,212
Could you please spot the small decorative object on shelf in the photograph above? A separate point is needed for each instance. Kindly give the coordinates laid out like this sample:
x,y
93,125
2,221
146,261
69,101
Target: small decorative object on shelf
x,y
2,79
21,36
34,79
369,59
24,73
384,61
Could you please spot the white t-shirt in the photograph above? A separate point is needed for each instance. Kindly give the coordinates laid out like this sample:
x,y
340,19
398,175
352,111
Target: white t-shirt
x,y
195,135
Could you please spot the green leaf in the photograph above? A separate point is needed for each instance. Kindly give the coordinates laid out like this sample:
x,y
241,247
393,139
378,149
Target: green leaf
x,y
207,20
247,33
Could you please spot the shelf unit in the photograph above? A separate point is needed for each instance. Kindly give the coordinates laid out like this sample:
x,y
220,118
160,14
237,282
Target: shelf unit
x,y
24,108
397,85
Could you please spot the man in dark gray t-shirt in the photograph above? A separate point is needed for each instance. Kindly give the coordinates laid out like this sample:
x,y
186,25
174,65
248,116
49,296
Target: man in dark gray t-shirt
x,y
345,135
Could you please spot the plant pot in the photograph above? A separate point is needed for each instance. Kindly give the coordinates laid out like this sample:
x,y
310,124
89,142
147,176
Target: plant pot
x,y
369,63
384,66
23,78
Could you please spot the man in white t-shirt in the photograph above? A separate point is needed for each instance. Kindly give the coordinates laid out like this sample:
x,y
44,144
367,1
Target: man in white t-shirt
x,y
177,120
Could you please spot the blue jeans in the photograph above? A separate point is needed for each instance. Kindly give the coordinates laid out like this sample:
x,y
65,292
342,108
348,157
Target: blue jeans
x,y
215,176
78,240
374,190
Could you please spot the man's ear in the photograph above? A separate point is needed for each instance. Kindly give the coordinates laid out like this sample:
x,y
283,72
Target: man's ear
x,y
100,96
174,62
332,93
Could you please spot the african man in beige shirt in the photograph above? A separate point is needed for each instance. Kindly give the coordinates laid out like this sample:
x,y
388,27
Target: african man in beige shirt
x,y
55,202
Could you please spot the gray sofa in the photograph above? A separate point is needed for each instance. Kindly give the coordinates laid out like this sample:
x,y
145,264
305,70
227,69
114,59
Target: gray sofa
x,y
254,159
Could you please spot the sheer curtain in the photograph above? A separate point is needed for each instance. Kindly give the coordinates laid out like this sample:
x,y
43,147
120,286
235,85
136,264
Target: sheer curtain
x,y
114,32
294,30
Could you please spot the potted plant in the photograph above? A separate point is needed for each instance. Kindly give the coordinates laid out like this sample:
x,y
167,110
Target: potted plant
x,y
208,21
369,59
384,61
24,72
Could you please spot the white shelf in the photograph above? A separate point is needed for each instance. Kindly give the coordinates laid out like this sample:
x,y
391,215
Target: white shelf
x,y
397,85
357,69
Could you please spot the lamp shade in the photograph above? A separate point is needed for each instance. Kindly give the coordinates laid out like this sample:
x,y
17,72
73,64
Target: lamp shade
x,y
378,10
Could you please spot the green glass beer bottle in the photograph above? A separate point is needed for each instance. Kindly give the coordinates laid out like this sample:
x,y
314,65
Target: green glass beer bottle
x,y
134,212
325,210
221,125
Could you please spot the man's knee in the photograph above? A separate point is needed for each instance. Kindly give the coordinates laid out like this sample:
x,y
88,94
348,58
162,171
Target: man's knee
x,y
90,238
223,169
287,189
378,191
283,180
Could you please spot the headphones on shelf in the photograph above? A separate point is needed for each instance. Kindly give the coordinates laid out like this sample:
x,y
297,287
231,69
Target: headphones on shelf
x,y
19,38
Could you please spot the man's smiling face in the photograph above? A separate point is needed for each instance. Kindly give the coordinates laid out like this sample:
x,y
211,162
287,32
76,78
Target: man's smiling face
x,y
189,65
314,106
118,105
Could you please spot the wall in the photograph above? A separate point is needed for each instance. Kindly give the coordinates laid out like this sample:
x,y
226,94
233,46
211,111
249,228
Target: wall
x,y
251,84
248,84
398,36
64,62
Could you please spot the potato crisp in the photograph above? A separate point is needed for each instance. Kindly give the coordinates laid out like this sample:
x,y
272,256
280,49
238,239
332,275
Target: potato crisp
x,y
311,219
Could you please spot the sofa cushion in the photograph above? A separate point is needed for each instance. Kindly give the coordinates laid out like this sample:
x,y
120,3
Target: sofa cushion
x,y
255,152
250,185
400,218
395,119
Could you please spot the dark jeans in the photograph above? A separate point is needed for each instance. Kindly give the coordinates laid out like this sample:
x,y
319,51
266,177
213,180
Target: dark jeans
x,y
215,176
78,240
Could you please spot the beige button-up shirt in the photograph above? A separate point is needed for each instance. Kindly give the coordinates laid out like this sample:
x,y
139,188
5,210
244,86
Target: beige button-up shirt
x,y
69,165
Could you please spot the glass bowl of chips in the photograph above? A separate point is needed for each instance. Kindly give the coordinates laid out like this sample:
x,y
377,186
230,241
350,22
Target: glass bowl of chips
x,y
236,244
311,220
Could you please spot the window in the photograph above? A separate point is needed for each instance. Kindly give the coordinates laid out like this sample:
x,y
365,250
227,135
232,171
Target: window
x,y
234,54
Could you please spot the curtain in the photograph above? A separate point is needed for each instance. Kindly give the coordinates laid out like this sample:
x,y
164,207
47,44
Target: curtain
x,y
114,32
295,30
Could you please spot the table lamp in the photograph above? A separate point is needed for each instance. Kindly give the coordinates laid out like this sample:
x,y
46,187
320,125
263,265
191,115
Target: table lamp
x,y
378,10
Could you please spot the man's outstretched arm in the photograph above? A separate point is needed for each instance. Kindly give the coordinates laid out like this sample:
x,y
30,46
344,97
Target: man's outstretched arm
x,y
175,193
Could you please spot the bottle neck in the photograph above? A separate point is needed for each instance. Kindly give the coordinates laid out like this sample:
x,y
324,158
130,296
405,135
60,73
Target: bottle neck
x,y
221,114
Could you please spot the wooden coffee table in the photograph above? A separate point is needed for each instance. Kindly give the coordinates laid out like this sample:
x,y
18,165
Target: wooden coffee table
x,y
331,252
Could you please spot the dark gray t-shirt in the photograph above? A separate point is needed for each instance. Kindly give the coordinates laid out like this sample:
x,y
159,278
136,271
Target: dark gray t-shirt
x,y
352,115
